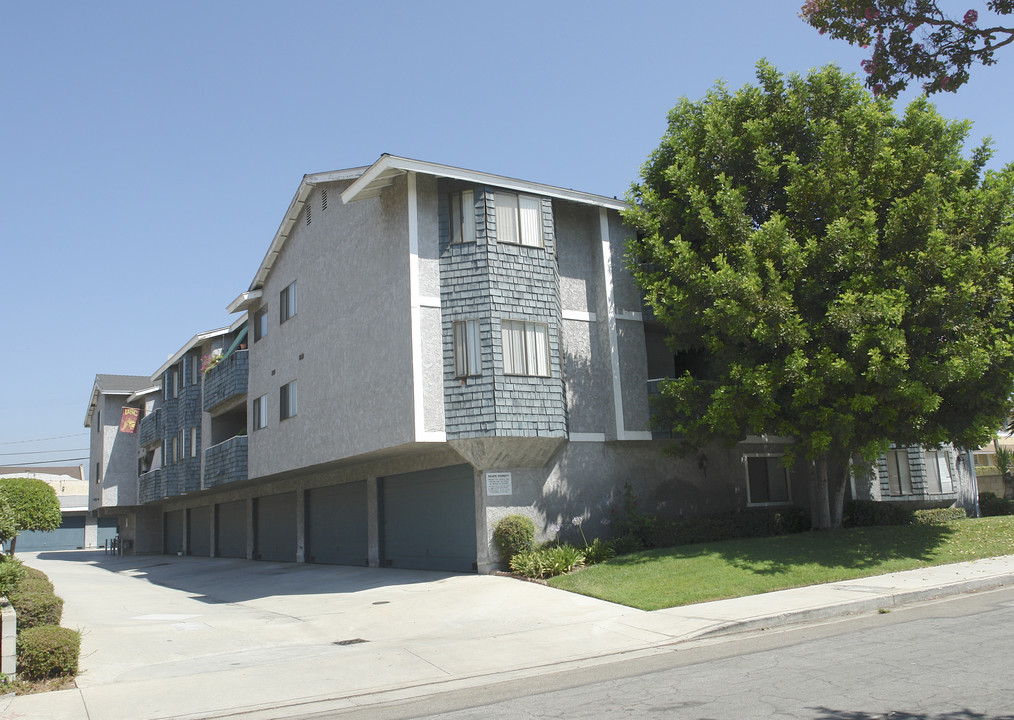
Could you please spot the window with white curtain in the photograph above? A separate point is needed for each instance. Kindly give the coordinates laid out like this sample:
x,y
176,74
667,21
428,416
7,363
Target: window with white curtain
x,y
466,348
899,474
767,480
462,216
518,219
260,412
525,347
288,405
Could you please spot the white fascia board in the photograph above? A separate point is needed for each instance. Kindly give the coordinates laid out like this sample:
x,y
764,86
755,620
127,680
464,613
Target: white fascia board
x,y
380,173
147,391
195,340
242,302
292,214
238,322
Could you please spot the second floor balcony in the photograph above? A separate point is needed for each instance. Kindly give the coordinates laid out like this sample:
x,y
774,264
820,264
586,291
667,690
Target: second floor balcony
x,y
225,462
225,384
151,428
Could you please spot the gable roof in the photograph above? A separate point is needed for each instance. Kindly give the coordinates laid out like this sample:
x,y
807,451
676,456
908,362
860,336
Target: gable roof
x,y
113,385
370,181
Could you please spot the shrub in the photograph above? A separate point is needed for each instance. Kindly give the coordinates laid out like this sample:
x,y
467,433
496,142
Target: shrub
x,y
598,552
939,516
547,561
991,505
35,581
728,526
626,544
866,513
514,534
12,572
48,651
633,522
36,609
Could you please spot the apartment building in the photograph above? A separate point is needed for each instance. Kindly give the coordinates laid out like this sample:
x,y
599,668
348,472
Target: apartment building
x,y
423,350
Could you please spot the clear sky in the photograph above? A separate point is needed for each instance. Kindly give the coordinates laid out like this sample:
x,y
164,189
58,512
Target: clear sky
x,y
150,149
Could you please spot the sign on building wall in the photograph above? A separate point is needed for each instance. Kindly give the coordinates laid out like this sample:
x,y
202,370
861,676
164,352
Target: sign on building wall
x,y
128,421
498,483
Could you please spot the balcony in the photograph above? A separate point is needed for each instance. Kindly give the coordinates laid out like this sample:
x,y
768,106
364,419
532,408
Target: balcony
x,y
225,462
151,486
151,428
226,383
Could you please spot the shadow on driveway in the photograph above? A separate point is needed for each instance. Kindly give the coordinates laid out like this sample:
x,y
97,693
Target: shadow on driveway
x,y
228,580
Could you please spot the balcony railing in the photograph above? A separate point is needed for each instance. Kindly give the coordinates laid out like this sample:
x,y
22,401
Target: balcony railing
x,y
226,462
226,381
151,486
151,428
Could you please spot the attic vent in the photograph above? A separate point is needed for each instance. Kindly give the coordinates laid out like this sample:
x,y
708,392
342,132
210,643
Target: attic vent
x,y
323,199
307,211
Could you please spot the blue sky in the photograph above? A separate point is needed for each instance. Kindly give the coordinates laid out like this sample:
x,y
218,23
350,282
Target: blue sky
x,y
149,150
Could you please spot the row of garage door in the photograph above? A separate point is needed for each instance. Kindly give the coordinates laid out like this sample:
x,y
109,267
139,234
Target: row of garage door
x,y
426,521
69,536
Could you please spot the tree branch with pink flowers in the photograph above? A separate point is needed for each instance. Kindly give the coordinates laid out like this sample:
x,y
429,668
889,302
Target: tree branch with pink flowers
x,y
914,40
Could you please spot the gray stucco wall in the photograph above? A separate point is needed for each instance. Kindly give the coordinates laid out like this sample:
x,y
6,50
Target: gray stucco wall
x,y
118,454
349,345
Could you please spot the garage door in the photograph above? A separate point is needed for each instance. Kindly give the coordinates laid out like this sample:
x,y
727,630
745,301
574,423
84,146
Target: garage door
x,y
69,536
428,520
173,524
199,531
107,530
275,527
336,526
230,529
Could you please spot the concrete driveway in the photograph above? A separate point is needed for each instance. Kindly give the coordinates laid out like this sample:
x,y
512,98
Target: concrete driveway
x,y
166,637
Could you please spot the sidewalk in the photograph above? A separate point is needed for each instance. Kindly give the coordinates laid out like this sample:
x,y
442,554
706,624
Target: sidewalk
x,y
167,637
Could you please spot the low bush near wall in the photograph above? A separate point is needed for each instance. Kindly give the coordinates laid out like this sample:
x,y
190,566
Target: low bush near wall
x,y
35,581
48,651
514,534
548,561
869,513
990,505
36,609
939,516
665,532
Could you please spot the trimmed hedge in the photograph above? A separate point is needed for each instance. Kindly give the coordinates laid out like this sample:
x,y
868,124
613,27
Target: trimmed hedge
x,y
36,609
666,532
990,505
48,651
869,513
939,516
12,573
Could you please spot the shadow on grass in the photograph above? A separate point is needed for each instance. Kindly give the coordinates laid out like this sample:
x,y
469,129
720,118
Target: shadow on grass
x,y
829,714
852,549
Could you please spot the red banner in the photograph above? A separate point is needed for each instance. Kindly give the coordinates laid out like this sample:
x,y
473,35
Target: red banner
x,y
128,422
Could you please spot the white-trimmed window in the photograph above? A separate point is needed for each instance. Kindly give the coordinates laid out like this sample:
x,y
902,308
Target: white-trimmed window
x,y
287,401
938,471
193,442
518,219
467,348
260,412
260,324
525,347
195,362
287,303
899,475
462,216
767,480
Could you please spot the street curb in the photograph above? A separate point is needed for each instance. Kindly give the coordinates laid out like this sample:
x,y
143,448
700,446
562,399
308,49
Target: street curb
x,y
855,607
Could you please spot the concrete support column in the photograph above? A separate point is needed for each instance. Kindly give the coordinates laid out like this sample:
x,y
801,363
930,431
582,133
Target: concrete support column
x,y
185,544
250,507
484,563
373,526
213,529
91,532
300,525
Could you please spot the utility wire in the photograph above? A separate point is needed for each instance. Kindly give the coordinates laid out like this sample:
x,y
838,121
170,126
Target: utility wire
x,y
44,462
55,437
45,452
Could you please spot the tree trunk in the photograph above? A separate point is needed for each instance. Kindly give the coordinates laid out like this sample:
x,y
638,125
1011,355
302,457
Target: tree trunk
x,y
823,496
14,541
838,480
832,476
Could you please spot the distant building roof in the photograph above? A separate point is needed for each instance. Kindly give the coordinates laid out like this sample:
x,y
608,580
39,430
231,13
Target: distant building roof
x,y
114,385
72,471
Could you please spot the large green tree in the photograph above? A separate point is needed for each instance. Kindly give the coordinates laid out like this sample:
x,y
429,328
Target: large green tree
x,y
33,503
828,272
915,39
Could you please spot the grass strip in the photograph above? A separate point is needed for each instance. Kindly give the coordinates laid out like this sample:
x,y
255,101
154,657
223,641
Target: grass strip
x,y
670,577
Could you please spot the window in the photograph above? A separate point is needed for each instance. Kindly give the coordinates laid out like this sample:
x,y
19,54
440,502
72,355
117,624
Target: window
x,y
462,216
194,367
98,473
260,412
466,348
525,347
193,442
260,327
98,421
174,450
179,377
899,476
518,219
287,303
171,388
938,472
287,397
767,480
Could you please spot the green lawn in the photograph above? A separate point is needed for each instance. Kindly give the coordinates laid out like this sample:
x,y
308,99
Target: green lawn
x,y
670,577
